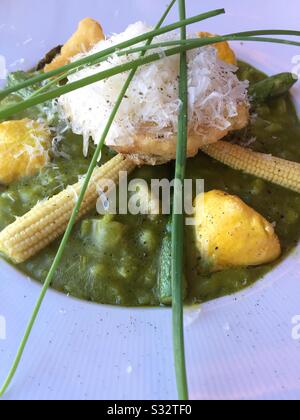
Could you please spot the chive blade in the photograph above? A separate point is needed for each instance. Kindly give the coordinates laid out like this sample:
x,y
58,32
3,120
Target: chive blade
x,y
92,58
106,53
199,42
178,226
268,32
189,45
146,47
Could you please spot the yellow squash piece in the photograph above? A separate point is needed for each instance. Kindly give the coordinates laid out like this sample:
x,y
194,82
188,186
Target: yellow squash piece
x,y
88,34
225,53
231,234
24,147
49,219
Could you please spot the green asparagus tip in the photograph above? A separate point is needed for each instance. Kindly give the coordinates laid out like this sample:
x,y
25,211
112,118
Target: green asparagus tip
x,y
272,87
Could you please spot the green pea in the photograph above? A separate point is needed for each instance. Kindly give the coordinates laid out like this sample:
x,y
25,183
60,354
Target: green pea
x,y
258,187
144,299
291,216
274,128
264,110
148,240
127,267
98,271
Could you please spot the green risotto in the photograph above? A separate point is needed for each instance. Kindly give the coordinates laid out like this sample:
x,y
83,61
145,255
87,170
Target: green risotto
x,y
116,259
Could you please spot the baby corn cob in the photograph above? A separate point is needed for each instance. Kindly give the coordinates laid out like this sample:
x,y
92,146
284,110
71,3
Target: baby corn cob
x,y
48,220
278,171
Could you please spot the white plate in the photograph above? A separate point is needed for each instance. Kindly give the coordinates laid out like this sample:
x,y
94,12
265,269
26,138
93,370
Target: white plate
x,y
238,347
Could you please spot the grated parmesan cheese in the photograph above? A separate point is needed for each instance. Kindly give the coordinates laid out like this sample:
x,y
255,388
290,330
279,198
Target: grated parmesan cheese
x,y
152,99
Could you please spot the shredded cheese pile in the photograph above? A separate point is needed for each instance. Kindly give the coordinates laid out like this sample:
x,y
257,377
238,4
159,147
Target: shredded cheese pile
x,y
152,99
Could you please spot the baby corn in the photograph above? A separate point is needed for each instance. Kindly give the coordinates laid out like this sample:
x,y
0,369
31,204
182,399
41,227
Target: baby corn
x,y
278,171
48,220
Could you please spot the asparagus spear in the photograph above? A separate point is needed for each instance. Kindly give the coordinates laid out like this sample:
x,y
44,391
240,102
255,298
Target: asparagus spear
x,y
272,87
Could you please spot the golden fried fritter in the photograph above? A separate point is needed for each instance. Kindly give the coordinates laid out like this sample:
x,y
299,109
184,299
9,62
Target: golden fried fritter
x,y
145,149
88,34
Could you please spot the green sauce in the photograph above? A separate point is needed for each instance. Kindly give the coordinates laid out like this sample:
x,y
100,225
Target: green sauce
x,y
120,265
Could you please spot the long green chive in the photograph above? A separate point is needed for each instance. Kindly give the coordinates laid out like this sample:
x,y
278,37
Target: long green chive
x,y
198,43
53,82
72,221
267,32
130,51
92,58
178,225
237,36
127,52
256,39
35,100
188,45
